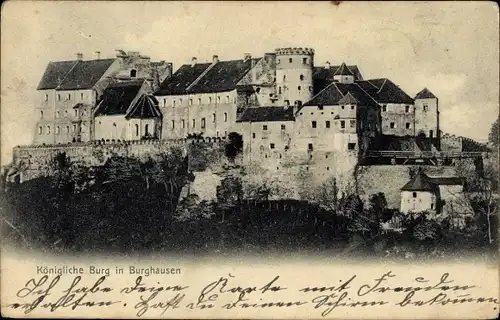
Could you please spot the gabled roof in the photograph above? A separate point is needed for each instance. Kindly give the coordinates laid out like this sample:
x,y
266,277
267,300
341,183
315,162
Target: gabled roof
x,y
343,70
323,76
336,91
425,94
223,76
264,114
420,182
348,99
328,96
145,107
118,97
388,92
181,79
76,74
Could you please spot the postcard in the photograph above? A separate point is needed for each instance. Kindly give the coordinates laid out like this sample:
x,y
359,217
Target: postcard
x,y
249,160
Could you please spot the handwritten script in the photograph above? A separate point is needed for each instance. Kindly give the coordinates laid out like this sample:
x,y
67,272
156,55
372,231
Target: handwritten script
x,y
145,296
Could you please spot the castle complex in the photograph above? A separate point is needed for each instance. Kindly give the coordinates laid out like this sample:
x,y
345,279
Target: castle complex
x,y
293,115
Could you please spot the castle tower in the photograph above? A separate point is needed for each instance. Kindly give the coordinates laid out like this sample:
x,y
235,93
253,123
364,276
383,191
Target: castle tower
x,y
294,70
426,114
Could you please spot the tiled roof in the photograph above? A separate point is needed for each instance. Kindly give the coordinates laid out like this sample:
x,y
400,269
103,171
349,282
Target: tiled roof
x,y
420,182
71,75
358,93
181,79
388,92
332,95
117,98
323,77
328,96
348,99
145,107
343,70
425,94
223,76
262,114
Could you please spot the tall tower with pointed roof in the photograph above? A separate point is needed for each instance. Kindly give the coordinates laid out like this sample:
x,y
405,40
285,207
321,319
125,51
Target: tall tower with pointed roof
x,y
426,114
294,75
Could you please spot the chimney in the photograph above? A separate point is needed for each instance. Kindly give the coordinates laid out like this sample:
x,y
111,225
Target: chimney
x,y
248,56
193,61
215,58
98,55
327,65
79,56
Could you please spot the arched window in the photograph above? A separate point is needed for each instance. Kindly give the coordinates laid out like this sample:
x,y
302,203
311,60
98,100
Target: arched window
x,y
48,129
301,77
136,130
225,116
133,73
213,117
58,130
39,130
227,99
41,114
67,129
146,130
65,113
58,114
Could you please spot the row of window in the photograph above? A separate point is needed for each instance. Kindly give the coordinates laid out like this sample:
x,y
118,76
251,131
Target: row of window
x,y
342,107
352,124
393,125
407,108
83,113
199,101
299,88
290,60
301,77
58,129
68,97
203,122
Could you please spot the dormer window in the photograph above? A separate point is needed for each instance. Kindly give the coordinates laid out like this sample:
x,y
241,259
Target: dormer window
x,y
133,73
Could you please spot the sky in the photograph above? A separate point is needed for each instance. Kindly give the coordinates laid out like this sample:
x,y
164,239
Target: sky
x,y
449,47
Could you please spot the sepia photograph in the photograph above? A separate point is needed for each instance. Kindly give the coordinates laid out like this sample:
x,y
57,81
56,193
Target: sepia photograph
x,y
326,132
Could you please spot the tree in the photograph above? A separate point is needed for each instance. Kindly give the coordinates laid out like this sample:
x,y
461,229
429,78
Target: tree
x,y
494,134
234,146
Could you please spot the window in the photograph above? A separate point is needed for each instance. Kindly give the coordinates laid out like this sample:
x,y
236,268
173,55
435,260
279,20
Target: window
x,y
48,129
284,78
199,100
81,96
58,97
407,125
46,97
203,123
225,116
279,90
190,102
65,113
67,129
75,113
69,96
313,124
283,127
264,127
384,108
225,133
58,114
209,99
290,60
183,124
173,103
414,194
278,62
213,117
352,107
342,107
320,107
173,124
310,147
271,145
431,134
164,102
301,77
353,123
180,102
84,127
310,89
39,130
74,128
133,73
146,130
41,114
58,130
299,88
342,124
253,135
425,106
407,108
194,123
327,124
327,168
137,129
392,125
351,146
227,99
218,99
432,206
304,61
